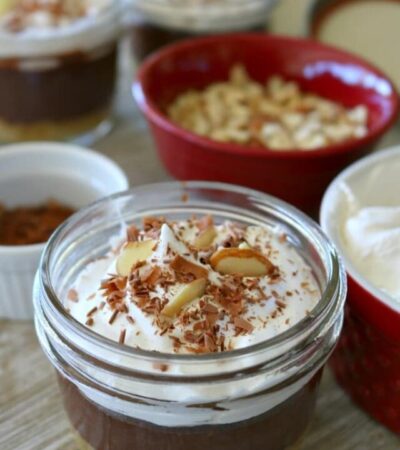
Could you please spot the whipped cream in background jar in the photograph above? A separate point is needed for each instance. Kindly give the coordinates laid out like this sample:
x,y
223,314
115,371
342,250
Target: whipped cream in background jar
x,y
57,69
156,23
259,394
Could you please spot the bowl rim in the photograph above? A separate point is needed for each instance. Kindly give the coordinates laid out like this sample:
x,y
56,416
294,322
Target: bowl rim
x,y
326,224
154,114
61,150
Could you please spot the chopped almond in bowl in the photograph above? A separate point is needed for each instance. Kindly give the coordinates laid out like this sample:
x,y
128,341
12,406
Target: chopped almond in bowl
x,y
277,115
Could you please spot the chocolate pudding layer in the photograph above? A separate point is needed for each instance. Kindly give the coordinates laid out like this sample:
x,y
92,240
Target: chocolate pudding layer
x,y
32,96
278,429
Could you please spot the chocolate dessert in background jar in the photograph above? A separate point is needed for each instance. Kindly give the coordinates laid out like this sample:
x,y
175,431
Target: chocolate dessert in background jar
x,y
156,23
57,68
188,317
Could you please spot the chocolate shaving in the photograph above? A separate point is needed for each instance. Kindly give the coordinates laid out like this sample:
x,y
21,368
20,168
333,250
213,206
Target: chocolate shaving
x,y
132,233
92,311
153,223
113,317
183,266
130,319
122,336
243,324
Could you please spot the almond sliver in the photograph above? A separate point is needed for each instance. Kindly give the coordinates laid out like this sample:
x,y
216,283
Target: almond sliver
x,y
187,294
244,261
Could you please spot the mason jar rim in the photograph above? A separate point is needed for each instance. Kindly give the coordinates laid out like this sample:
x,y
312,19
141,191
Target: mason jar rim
x,y
335,280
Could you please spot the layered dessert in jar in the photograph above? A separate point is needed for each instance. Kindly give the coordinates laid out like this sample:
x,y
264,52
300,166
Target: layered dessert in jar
x,y
57,67
204,321
156,23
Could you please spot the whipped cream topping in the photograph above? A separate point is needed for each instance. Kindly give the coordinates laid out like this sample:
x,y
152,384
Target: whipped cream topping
x,y
194,287
27,15
372,239
32,28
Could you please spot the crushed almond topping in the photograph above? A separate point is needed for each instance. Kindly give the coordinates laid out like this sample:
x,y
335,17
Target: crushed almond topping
x,y
276,115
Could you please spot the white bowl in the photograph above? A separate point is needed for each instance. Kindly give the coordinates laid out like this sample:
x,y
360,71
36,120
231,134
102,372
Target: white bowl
x,y
31,173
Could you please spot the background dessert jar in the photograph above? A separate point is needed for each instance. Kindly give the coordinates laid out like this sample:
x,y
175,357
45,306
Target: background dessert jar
x,y
57,68
155,23
141,369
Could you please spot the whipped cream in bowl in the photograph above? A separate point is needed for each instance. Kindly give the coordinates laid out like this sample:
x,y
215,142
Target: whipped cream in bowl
x,y
185,305
361,213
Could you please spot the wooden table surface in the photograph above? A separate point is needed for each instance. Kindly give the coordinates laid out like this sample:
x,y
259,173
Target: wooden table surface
x,y
31,414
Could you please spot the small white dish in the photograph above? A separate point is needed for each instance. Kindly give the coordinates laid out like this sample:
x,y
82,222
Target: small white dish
x,y
30,174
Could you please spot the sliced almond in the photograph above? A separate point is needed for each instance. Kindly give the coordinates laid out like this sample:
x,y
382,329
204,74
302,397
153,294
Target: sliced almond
x,y
244,245
244,261
131,254
182,265
187,294
205,238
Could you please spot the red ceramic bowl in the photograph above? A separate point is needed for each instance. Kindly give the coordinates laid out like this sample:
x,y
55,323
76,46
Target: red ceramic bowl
x,y
367,359
299,177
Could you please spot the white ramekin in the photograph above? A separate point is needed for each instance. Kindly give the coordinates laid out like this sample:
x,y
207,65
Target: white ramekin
x,y
366,360
31,173
371,181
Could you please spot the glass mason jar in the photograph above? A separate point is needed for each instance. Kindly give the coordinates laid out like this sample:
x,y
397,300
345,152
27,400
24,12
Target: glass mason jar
x,y
156,23
58,83
118,397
